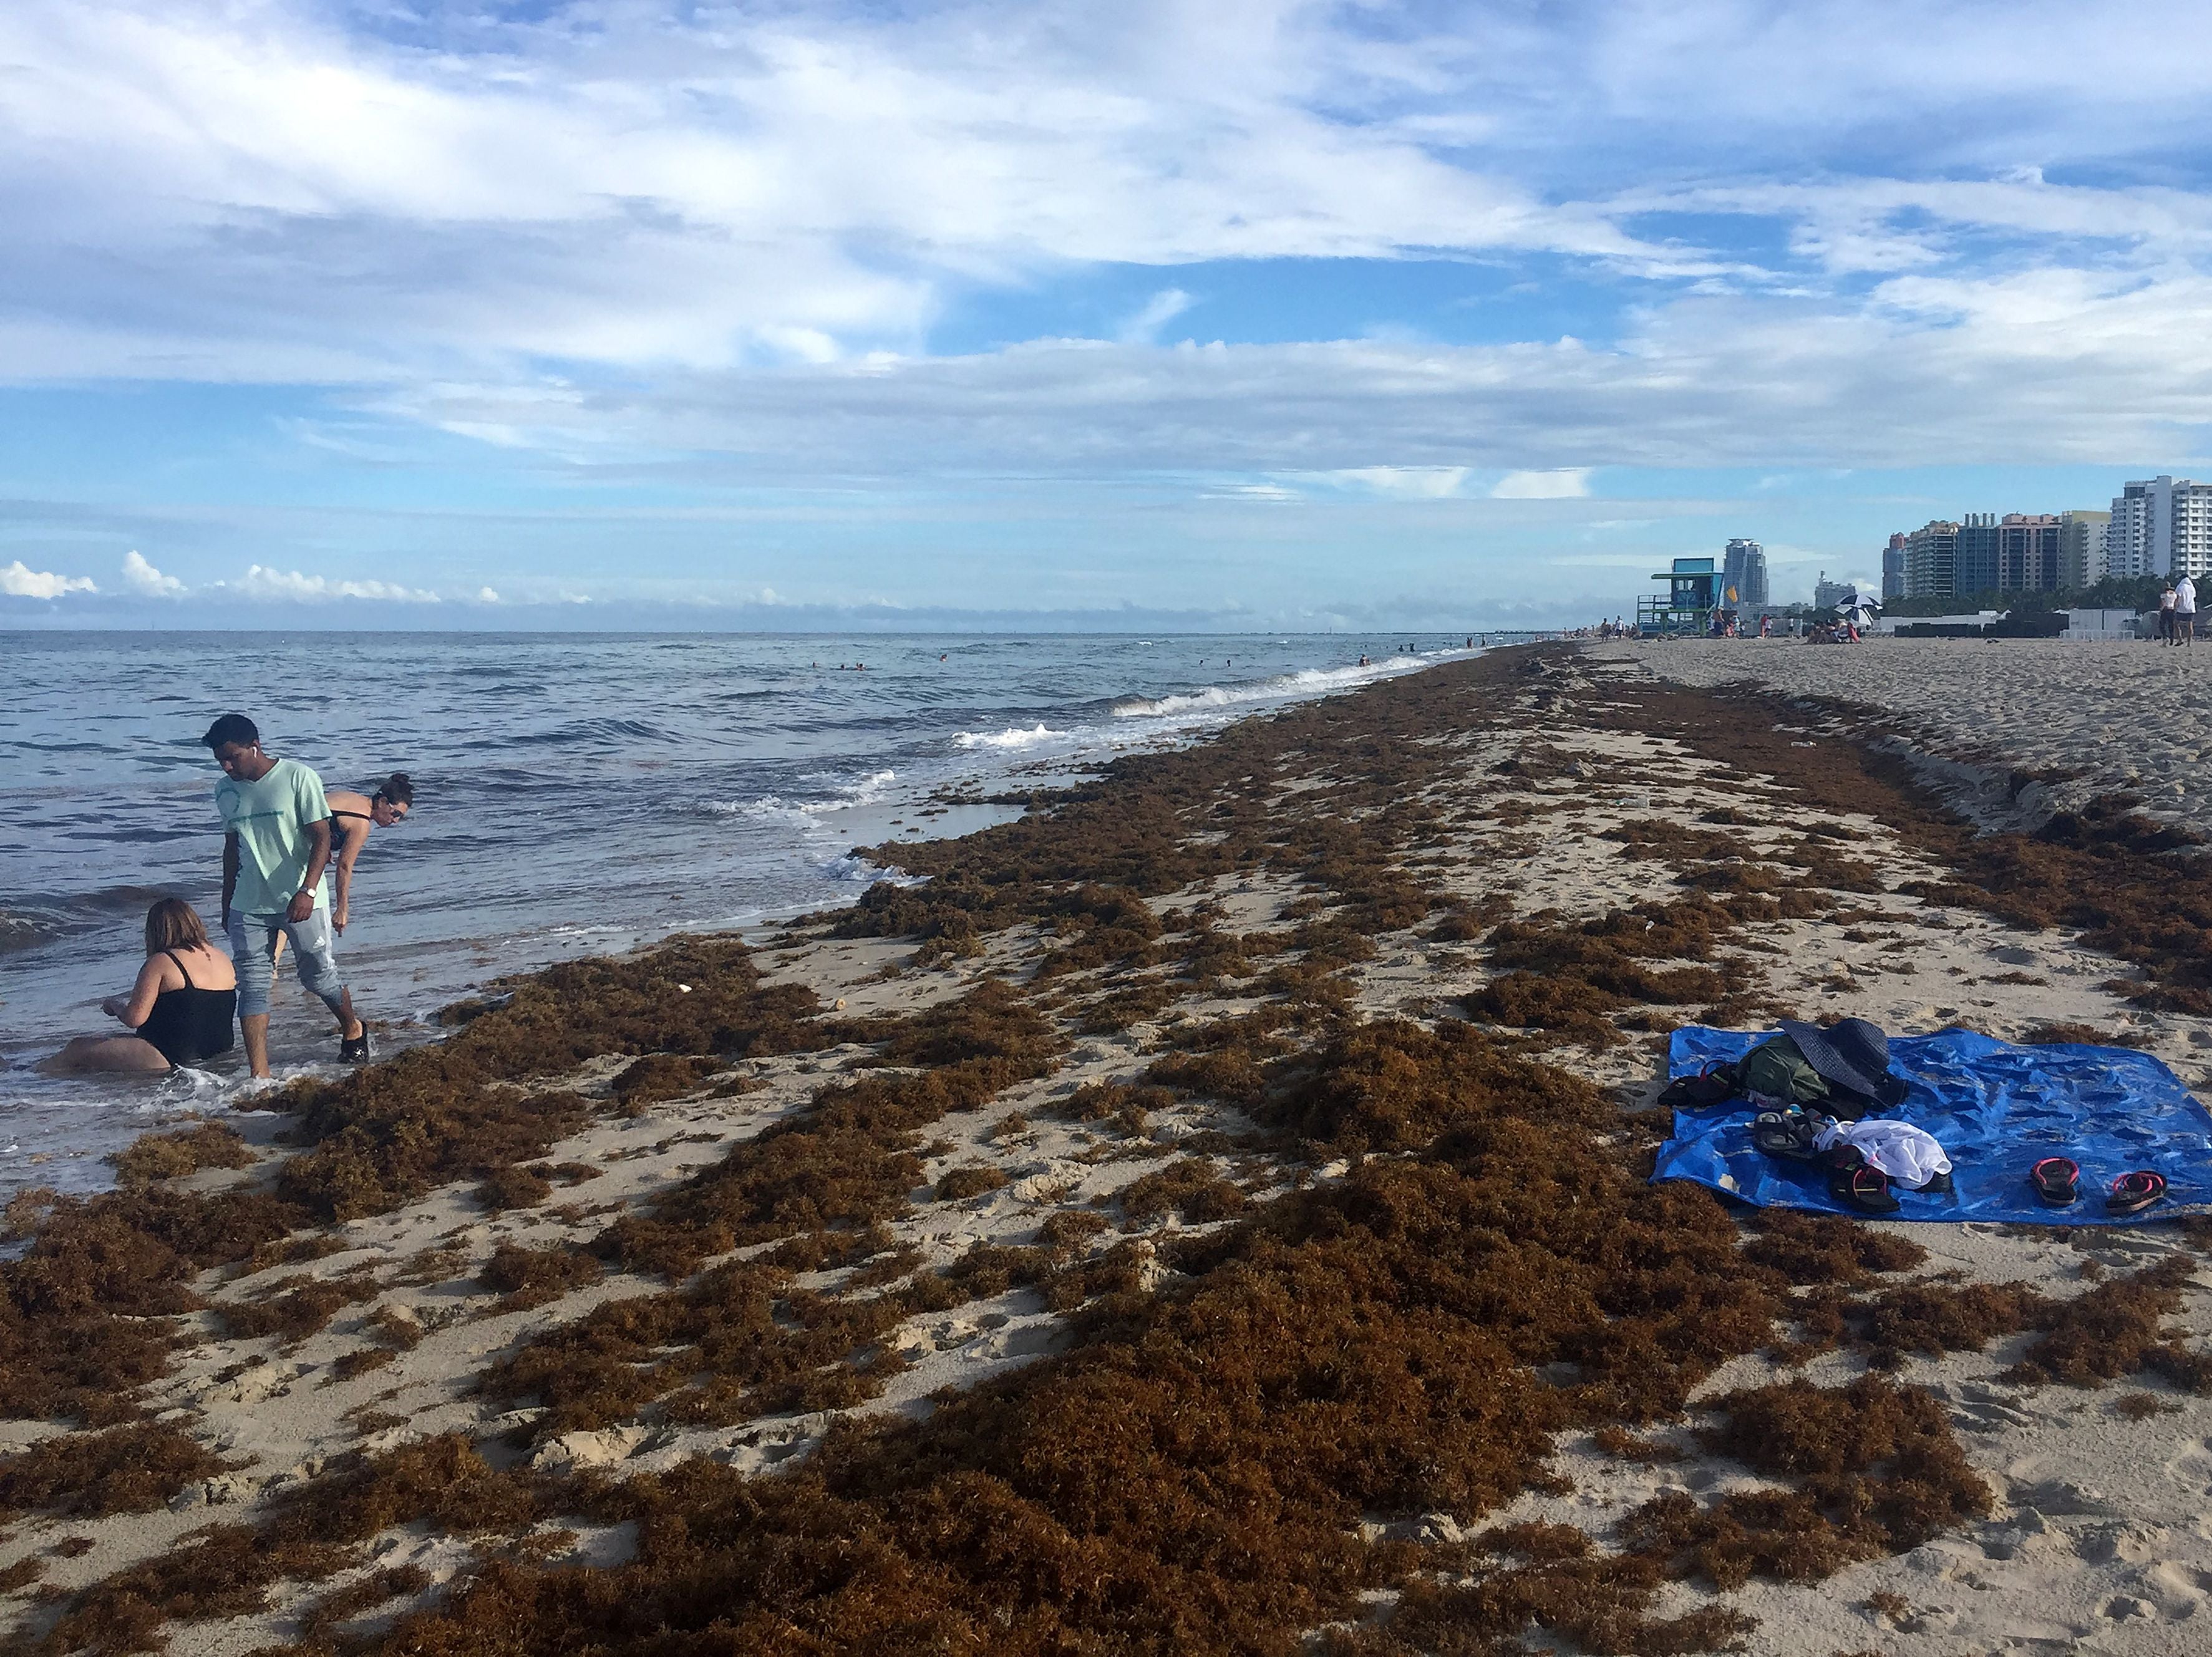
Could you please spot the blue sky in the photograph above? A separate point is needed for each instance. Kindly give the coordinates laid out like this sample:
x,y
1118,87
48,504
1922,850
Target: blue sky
x,y
1220,314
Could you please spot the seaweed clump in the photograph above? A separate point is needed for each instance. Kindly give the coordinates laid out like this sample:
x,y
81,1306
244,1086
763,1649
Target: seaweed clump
x,y
134,1468
392,1131
1191,1473
1564,975
1877,1471
187,1150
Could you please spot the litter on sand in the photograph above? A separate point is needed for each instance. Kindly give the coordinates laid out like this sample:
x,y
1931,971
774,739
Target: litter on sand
x,y
2068,1134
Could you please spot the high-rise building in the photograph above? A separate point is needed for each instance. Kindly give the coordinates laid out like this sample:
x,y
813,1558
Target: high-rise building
x,y
2161,526
2082,548
2028,552
1931,560
1743,571
1828,594
1977,567
1892,569
2129,539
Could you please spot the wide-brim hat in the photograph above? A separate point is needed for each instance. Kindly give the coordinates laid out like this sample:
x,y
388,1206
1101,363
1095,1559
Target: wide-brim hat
x,y
1853,1054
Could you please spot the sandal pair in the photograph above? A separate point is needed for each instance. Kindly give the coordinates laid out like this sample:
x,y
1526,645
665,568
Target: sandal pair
x,y
1786,1133
2058,1181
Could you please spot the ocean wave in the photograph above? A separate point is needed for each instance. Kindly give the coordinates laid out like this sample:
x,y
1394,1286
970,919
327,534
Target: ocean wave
x,y
867,791
23,933
774,808
1307,681
31,922
1010,738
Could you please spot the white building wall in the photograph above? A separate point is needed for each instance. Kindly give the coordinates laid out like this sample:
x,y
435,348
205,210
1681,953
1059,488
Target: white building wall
x,y
2189,530
2131,542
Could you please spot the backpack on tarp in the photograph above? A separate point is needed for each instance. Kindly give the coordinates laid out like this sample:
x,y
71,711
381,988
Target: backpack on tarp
x,y
1778,1068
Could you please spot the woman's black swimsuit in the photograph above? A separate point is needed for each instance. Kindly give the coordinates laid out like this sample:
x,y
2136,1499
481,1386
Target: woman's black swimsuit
x,y
191,1025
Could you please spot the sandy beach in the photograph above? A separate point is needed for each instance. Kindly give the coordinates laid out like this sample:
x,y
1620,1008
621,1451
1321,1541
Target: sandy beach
x,y
1208,1214
2118,718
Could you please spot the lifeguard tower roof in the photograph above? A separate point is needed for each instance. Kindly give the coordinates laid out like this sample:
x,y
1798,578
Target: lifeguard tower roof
x,y
1691,596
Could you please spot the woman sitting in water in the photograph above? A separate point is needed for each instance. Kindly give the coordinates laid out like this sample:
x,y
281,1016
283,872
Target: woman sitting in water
x,y
182,1010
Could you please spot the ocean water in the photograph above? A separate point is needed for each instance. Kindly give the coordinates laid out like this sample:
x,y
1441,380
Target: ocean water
x,y
575,794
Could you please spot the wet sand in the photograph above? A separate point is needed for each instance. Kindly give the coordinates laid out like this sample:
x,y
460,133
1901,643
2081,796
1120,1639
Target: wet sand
x,y
1208,1213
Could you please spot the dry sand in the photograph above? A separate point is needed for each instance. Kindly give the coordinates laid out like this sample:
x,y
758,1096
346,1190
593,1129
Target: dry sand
x,y
2101,1537
2132,718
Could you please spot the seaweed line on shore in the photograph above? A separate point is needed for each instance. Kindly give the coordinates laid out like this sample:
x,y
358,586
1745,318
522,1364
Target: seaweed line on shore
x,y
1334,1260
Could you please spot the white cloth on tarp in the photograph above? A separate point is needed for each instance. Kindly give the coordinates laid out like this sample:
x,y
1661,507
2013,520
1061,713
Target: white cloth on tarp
x,y
1908,1155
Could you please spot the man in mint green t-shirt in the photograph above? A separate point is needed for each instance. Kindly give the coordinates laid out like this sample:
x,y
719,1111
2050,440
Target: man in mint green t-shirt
x,y
276,856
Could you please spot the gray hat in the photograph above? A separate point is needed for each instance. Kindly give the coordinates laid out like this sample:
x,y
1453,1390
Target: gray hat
x,y
1852,1055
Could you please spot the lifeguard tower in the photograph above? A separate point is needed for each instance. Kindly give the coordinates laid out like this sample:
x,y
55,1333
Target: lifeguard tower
x,y
1686,607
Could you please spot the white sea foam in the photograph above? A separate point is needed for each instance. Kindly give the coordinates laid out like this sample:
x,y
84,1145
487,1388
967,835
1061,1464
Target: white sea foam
x,y
774,808
1012,738
1307,681
867,791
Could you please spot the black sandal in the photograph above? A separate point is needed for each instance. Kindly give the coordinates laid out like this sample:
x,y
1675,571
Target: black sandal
x,y
1853,1180
2133,1193
1783,1135
2057,1181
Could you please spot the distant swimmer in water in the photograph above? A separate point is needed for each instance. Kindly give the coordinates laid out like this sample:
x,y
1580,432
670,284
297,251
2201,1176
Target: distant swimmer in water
x,y
179,1012
1363,660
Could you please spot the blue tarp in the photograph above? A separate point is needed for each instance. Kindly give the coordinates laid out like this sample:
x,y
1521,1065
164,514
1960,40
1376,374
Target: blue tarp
x,y
1997,1110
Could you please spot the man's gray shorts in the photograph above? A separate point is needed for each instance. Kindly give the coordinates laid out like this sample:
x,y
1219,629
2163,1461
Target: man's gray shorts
x,y
254,951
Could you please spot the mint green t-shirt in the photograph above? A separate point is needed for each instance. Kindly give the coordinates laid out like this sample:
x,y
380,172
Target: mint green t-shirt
x,y
270,818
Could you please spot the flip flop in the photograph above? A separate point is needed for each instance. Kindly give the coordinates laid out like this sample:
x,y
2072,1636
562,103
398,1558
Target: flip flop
x,y
1865,1187
1853,1180
2057,1181
1780,1135
2133,1193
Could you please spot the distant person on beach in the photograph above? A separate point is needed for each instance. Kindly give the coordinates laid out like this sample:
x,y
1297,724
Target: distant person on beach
x,y
276,856
2167,601
2184,610
179,1012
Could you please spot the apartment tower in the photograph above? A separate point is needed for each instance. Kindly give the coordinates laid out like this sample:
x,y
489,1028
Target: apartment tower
x,y
2081,549
1743,571
1931,560
2028,552
1892,569
2161,526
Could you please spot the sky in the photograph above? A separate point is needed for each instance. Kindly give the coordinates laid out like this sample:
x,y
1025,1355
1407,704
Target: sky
x,y
1219,314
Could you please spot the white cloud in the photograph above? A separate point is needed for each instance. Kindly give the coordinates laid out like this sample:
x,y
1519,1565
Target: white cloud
x,y
228,190
17,580
1565,483
1405,482
1158,310
2022,368
487,596
143,578
624,231
276,585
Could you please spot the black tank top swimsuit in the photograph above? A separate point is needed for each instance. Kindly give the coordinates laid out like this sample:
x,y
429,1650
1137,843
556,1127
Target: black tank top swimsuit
x,y
192,1024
